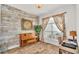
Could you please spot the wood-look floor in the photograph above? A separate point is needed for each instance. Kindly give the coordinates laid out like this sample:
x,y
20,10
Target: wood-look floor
x,y
36,48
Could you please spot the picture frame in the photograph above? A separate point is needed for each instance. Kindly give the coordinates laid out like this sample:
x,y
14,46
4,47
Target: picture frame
x,y
26,24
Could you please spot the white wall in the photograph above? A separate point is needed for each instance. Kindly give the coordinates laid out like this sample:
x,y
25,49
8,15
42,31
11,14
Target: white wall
x,y
77,24
70,17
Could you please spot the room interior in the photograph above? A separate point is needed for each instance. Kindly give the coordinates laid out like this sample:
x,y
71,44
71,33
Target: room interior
x,y
39,29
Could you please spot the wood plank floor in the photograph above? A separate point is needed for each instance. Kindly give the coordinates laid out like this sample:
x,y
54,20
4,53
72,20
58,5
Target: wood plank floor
x,y
36,48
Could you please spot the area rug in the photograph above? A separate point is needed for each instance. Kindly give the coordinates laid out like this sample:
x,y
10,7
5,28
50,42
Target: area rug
x,y
36,48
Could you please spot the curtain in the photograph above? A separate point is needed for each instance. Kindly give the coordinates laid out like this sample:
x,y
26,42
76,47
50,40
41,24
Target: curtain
x,y
44,24
60,22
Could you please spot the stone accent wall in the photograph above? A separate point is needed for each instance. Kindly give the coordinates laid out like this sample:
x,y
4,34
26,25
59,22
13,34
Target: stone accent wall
x,y
0,19
11,24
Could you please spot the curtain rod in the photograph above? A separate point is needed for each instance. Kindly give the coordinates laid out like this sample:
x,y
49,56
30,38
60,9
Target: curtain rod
x,y
55,15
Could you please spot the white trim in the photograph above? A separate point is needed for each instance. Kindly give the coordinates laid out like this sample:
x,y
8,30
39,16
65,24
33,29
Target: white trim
x,y
13,46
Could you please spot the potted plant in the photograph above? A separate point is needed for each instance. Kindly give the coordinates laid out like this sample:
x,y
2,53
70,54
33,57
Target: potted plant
x,y
37,30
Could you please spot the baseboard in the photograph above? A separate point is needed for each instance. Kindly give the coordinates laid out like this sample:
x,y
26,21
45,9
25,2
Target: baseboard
x,y
15,46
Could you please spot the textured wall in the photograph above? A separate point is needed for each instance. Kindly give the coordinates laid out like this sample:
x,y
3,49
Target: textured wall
x,y
0,19
11,24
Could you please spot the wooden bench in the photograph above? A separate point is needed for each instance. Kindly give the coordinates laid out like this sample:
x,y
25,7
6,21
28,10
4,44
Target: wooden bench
x,y
27,38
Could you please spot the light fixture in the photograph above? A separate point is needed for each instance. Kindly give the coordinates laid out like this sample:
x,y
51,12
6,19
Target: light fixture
x,y
73,34
39,6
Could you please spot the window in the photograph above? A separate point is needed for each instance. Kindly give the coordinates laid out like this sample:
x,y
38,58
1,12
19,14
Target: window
x,y
51,30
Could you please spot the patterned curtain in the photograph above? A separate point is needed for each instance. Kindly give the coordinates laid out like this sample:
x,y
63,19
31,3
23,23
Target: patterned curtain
x,y
60,22
44,24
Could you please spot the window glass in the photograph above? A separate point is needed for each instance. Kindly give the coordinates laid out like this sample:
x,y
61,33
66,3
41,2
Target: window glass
x,y
51,27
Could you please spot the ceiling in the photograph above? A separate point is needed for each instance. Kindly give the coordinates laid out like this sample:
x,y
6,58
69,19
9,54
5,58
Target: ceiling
x,y
31,8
